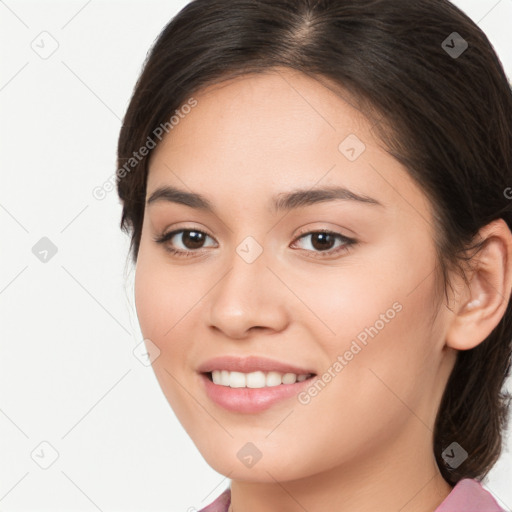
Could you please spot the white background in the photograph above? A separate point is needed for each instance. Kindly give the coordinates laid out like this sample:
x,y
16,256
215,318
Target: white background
x,y
68,327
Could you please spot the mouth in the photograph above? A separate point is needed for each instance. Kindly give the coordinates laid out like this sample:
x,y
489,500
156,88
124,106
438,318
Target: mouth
x,y
249,393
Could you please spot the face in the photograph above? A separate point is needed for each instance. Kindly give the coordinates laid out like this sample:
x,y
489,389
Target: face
x,y
341,286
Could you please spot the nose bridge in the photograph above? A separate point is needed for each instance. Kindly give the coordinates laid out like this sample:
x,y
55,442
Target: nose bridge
x,y
250,250
242,298
247,274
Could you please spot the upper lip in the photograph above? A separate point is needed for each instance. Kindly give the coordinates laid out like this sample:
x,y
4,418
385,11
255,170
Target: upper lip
x,y
250,364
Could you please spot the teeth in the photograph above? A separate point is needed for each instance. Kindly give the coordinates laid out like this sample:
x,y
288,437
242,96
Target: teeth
x,y
255,379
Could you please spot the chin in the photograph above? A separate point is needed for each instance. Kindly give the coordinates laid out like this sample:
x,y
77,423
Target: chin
x,y
267,469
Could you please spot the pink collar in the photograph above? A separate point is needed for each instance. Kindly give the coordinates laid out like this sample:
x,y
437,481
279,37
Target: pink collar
x,y
468,495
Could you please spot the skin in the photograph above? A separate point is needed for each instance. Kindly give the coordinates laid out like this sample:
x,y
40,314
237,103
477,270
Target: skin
x,y
365,442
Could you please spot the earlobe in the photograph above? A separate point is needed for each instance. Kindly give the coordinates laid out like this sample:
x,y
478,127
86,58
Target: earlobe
x,y
481,307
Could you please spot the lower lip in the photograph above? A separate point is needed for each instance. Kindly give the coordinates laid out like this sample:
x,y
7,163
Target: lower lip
x,y
251,400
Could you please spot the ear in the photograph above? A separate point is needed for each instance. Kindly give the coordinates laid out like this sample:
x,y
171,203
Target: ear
x,y
479,308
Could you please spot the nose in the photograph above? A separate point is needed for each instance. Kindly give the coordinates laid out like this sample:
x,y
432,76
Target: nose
x,y
248,297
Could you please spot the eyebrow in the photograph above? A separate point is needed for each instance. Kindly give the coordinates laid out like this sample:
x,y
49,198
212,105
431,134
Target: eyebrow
x,y
284,201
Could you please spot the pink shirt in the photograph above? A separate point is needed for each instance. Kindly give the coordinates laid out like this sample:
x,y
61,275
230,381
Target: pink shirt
x,y
468,495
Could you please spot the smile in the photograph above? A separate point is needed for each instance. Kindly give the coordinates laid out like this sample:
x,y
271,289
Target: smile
x,y
253,400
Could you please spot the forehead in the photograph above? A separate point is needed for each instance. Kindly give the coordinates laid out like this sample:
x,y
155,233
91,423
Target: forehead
x,y
269,112
261,134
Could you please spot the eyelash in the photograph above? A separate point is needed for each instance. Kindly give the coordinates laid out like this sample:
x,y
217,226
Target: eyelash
x,y
348,242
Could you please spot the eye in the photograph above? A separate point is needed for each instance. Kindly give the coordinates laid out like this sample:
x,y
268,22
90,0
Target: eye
x,y
322,242
192,239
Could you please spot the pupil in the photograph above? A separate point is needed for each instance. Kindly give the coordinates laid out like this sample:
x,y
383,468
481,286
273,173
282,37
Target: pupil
x,y
326,244
195,237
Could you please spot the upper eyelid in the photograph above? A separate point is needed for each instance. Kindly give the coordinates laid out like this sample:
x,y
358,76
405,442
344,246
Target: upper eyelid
x,y
175,232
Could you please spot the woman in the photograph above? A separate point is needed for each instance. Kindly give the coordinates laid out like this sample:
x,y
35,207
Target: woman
x,y
318,198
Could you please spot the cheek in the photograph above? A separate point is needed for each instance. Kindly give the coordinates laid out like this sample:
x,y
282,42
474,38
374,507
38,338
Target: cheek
x,y
369,390
162,303
159,298
147,298
364,294
160,291
375,326
168,302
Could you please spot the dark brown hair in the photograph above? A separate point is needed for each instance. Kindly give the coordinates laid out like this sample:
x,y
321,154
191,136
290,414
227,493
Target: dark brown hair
x,y
443,110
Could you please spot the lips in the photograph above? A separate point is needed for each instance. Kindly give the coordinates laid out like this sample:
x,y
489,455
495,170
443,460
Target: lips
x,y
247,400
251,364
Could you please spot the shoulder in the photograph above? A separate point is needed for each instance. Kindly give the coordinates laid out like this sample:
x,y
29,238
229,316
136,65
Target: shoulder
x,y
468,495
221,504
